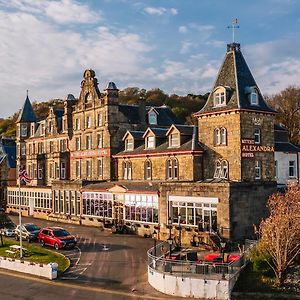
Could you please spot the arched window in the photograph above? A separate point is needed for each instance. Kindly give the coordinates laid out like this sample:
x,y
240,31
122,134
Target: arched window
x,y
217,173
220,96
254,97
148,170
223,136
127,170
172,169
217,136
224,169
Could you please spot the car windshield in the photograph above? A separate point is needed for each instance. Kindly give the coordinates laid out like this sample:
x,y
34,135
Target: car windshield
x,y
60,232
31,227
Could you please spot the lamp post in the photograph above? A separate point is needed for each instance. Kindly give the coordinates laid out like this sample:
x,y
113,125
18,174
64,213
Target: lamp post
x,y
179,228
223,245
154,239
170,235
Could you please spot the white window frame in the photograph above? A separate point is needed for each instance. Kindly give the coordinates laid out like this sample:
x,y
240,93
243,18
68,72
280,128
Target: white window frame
x,y
224,169
40,171
100,167
292,169
63,169
223,136
150,142
220,98
88,168
78,168
24,130
88,142
129,144
99,119
257,135
23,149
218,170
174,140
77,124
100,140
152,118
77,143
148,170
253,97
88,122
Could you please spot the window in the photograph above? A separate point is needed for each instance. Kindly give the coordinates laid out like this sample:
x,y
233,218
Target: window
x,y
51,146
152,116
23,130
51,127
88,142
217,136
56,170
276,169
63,145
32,129
174,140
257,136
100,168
172,169
224,169
96,204
148,170
77,124
127,170
100,140
40,171
23,149
51,170
129,144
292,168
254,98
218,172
223,136
77,143
99,120
150,142
78,173
257,169
88,122
88,168
63,170
219,98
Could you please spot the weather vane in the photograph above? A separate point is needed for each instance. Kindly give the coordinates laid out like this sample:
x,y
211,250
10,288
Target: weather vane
x,y
234,26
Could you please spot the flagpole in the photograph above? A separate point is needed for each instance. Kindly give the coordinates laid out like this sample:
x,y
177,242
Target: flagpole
x,y
20,219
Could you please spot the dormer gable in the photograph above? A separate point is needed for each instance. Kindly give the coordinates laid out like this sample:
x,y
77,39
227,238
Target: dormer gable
x,y
252,94
152,116
154,137
132,139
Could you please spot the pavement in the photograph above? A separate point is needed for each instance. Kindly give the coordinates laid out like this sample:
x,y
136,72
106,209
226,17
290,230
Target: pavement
x,y
111,265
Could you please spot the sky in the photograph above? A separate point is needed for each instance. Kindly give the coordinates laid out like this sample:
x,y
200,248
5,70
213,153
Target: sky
x,y
175,45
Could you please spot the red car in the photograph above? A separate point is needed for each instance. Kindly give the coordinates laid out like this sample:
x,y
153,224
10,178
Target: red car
x,y
56,237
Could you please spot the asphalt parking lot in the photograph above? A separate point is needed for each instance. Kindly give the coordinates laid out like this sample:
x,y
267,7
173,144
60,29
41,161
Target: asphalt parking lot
x,y
105,260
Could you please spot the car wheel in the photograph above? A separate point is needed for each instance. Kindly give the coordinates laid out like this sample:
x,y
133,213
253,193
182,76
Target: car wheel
x,y
56,246
42,243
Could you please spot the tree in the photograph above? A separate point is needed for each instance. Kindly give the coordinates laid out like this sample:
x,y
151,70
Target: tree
x,y
287,104
280,232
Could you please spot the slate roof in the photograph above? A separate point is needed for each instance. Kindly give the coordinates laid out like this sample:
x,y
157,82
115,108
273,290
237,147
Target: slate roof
x,y
165,116
286,147
9,150
26,114
236,77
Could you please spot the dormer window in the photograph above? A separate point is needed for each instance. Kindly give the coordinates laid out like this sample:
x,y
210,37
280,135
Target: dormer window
x,y
174,140
152,116
129,144
254,98
220,96
150,142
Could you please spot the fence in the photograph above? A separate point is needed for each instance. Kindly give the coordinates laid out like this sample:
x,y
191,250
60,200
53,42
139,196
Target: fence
x,y
158,259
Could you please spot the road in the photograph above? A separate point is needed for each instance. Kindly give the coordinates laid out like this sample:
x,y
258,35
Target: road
x,y
103,266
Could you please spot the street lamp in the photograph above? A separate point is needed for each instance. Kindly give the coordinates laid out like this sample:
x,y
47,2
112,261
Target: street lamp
x,y
223,245
170,234
154,239
179,228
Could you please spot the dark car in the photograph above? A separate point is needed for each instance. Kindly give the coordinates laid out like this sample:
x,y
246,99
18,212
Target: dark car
x,y
56,237
30,232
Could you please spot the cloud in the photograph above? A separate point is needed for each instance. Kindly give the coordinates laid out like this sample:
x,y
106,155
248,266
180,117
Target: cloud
x,y
60,11
182,29
159,11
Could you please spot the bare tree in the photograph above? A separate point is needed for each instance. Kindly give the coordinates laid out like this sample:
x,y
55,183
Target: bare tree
x,y
287,104
280,232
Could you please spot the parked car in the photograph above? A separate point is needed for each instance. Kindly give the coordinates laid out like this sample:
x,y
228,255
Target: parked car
x,y
56,237
8,230
30,232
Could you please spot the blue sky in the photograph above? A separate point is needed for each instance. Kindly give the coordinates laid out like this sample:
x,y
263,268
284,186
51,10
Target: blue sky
x,y
177,46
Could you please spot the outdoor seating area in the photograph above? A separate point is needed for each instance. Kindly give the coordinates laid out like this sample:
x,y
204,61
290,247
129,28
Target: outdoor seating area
x,y
14,251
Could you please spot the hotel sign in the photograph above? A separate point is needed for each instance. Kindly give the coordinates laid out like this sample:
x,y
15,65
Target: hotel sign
x,y
249,148
90,153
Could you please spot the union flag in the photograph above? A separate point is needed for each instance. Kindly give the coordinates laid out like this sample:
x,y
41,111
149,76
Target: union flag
x,y
23,176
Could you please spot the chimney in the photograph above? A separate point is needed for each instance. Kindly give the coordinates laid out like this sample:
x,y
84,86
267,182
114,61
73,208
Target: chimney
x,y
142,110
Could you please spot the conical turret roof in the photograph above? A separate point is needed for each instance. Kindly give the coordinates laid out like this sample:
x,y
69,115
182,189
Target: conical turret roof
x,y
26,114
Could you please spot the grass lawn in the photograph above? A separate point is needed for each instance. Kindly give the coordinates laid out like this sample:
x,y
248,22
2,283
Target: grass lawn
x,y
35,253
251,281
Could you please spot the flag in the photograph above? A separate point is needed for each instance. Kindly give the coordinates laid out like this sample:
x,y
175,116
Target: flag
x,y
23,176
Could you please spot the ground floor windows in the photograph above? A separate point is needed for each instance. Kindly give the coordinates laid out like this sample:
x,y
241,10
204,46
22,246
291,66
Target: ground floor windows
x,y
66,202
97,204
142,208
194,211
